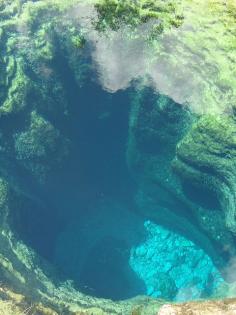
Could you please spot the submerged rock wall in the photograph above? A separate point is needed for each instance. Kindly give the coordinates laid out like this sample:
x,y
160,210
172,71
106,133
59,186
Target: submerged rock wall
x,y
205,158
159,128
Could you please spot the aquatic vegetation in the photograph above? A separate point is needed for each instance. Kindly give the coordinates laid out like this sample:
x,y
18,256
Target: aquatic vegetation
x,y
205,157
149,121
178,30
17,92
113,14
182,52
38,144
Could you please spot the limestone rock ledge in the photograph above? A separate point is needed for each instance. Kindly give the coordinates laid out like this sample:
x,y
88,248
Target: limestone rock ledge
x,y
12,303
220,307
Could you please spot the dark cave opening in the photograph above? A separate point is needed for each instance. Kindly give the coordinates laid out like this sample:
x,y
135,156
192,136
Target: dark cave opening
x,y
203,196
94,178
85,215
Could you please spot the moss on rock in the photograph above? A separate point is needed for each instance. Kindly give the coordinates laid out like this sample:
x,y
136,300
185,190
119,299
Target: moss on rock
x,y
206,158
17,92
39,145
113,14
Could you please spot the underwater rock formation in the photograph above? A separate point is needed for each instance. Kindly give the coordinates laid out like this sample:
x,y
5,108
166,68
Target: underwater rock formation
x,y
53,54
161,124
172,267
205,157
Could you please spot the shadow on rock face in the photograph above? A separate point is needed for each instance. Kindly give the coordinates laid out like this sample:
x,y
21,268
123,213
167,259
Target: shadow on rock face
x,y
106,272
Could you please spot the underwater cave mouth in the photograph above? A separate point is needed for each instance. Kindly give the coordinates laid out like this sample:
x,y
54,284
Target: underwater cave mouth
x,y
88,227
111,252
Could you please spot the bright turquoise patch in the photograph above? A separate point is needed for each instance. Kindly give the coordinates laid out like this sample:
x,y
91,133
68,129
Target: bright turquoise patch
x,y
172,266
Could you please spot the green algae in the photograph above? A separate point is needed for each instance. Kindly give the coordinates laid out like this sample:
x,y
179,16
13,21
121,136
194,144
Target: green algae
x,y
200,151
113,14
188,51
40,141
194,53
206,157
17,92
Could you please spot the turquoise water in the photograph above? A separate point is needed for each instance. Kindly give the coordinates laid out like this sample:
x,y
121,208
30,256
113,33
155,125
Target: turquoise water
x,y
120,189
172,266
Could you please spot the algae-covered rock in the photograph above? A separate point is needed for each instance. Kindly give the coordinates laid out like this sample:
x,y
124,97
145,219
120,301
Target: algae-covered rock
x,y
159,129
113,13
182,58
206,160
156,125
38,145
17,92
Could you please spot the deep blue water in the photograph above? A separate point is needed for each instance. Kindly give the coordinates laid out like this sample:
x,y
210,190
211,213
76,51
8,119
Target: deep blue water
x,y
89,227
